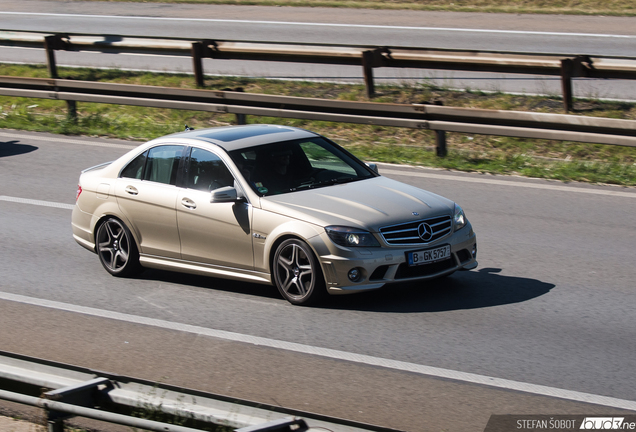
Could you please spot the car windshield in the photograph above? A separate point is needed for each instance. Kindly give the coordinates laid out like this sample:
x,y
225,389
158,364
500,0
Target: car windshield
x,y
291,166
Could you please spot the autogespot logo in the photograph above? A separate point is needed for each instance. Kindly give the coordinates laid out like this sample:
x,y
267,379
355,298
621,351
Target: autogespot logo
x,y
602,423
559,423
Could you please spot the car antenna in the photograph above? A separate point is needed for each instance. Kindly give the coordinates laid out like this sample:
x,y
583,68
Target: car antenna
x,y
188,128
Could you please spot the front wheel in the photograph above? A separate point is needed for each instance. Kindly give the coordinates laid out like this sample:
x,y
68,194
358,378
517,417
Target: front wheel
x,y
116,249
297,274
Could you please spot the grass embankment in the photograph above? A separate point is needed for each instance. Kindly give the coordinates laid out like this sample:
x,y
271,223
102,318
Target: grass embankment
x,y
572,7
565,161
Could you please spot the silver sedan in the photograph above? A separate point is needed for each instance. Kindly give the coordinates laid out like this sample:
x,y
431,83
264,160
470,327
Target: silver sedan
x,y
267,204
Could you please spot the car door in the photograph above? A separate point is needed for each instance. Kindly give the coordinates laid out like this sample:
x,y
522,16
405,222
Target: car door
x,y
147,194
216,233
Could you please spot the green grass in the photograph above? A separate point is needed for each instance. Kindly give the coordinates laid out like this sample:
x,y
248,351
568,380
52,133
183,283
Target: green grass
x,y
578,7
566,161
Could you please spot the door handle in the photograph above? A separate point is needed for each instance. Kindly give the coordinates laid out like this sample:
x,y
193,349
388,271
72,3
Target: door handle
x,y
131,190
188,203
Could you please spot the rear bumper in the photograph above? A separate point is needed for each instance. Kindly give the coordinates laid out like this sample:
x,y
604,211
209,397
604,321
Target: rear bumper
x,y
80,223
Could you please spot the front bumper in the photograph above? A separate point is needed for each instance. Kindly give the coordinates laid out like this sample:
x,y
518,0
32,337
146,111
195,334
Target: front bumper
x,y
379,266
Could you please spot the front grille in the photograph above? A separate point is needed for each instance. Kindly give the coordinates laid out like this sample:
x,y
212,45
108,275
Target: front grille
x,y
409,233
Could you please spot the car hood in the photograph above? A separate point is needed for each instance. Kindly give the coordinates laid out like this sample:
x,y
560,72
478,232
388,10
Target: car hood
x,y
367,204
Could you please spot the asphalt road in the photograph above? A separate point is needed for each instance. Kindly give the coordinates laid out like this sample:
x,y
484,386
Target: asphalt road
x,y
551,304
570,35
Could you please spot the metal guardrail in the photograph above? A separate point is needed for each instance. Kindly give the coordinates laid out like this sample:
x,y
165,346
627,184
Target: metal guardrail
x,y
440,119
64,391
567,66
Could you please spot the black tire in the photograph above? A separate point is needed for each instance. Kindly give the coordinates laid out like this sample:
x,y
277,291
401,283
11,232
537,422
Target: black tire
x,y
297,274
116,249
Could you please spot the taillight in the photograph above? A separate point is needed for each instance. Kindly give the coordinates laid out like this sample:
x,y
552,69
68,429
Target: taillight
x,y
79,191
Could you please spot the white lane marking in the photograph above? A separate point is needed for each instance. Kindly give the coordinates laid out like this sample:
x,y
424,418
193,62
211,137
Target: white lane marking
x,y
512,183
333,354
67,140
36,202
313,24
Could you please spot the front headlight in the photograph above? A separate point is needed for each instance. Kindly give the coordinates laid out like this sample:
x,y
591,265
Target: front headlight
x,y
459,218
351,237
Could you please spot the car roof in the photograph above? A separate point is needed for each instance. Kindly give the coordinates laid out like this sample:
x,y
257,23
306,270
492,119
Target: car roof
x,y
238,137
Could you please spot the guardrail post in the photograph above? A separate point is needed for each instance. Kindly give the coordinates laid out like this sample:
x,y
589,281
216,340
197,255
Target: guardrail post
x,y
440,137
56,425
241,119
579,66
368,61
50,43
84,394
567,67
72,110
197,62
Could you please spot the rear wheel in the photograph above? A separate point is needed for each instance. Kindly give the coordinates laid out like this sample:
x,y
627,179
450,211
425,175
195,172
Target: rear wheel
x,y
297,274
116,249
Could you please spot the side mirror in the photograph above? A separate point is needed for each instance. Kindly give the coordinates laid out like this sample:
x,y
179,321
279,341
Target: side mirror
x,y
224,194
373,166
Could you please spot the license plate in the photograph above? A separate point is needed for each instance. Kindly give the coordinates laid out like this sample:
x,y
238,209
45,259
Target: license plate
x,y
428,256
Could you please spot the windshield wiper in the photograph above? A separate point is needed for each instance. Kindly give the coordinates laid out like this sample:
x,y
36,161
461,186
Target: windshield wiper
x,y
330,182
342,180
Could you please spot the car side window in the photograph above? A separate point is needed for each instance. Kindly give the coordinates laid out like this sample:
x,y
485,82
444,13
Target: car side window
x,y
135,169
207,171
163,164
